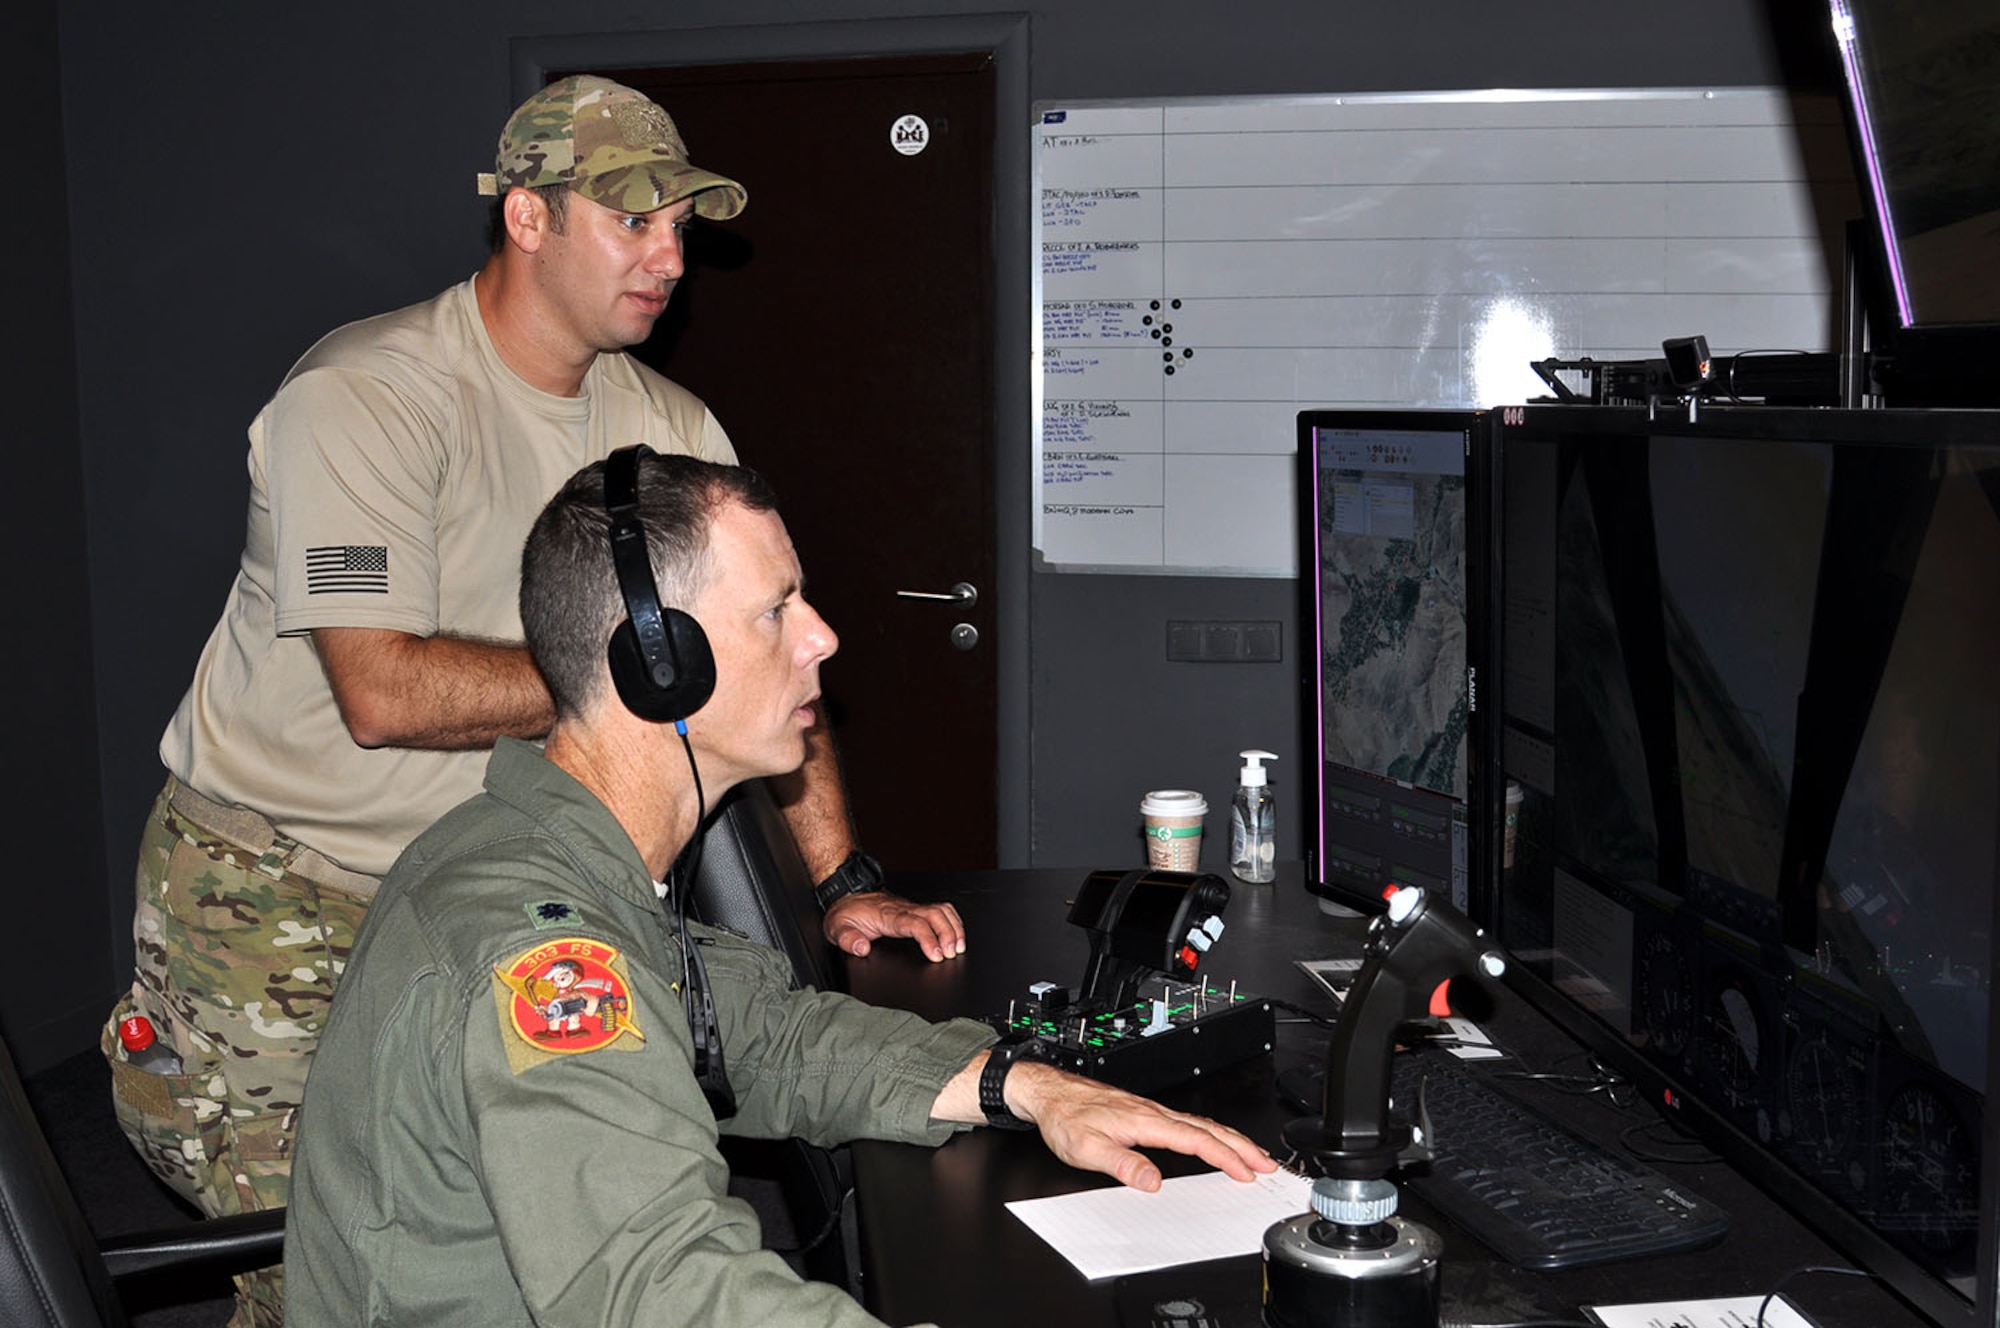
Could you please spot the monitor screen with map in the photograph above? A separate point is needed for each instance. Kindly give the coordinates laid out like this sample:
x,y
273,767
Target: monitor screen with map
x,y
1389,611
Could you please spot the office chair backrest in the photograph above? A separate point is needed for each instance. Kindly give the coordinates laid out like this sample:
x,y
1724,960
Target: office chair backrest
x,y
51,1274
752,881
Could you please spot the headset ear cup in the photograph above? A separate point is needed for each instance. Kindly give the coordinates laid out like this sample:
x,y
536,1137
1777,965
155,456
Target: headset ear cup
x,y
695,680
671,673
628,670
691,669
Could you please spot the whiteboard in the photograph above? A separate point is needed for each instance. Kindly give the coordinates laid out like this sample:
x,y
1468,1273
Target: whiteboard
x,y
1208,268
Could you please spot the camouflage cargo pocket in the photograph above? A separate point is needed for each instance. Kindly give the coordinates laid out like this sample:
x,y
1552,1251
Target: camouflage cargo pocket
x,y
176,1122
262,1134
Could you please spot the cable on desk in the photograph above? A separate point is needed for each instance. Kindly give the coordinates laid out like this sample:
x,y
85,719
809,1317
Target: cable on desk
x,y
1694,1151
1600,1078
1304,1015
1621,1094
1800,1271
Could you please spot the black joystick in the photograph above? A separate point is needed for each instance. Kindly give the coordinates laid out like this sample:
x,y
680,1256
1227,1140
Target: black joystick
x,y
1351,1262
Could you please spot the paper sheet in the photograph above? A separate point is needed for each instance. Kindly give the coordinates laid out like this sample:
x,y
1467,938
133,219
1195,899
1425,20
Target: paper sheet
x,y
1720,1312
1115,1231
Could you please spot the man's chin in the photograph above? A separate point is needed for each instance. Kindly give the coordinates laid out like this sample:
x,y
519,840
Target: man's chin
x,y
780,763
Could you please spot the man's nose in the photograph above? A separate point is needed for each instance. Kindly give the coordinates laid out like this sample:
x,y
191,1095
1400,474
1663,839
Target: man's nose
x,y
668,259
820,642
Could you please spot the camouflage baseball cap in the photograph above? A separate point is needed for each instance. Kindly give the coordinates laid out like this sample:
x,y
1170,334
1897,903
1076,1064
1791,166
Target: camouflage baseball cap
x,y
609,143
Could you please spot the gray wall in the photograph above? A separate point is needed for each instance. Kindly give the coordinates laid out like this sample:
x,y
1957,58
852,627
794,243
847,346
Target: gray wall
x,y
57,970
242,178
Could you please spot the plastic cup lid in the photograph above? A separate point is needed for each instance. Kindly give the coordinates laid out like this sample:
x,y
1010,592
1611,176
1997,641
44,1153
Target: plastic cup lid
x,y
1173,802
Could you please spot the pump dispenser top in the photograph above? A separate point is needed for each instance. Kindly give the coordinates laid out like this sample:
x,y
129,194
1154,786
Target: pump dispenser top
x,y
1253,768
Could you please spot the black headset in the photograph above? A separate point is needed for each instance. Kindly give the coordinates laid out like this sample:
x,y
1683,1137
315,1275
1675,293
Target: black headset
x,y
664,671
660,660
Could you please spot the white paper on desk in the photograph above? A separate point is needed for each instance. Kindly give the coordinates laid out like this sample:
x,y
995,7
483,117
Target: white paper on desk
x,y
1721,1312
1115,1231
1471,1042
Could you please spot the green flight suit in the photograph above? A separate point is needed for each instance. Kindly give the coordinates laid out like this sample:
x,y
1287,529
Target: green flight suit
x,y
460,1163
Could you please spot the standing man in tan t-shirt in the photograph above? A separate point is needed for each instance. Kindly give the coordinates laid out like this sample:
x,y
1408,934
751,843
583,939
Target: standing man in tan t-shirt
x,y
370,654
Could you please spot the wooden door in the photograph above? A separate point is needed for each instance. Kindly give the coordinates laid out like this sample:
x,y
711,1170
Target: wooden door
x,y
841,329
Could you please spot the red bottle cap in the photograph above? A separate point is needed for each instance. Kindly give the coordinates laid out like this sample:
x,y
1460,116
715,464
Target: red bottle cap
x,y
136,1033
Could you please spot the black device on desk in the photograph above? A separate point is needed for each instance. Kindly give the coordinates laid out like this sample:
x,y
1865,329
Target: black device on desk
x,y
1751,747
1143,1016
1352,1262
937,1244
1392,611
1731,746
1534,1191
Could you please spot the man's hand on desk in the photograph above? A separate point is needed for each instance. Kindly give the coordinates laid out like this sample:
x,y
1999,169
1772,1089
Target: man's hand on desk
x,y
855,922
1097,1127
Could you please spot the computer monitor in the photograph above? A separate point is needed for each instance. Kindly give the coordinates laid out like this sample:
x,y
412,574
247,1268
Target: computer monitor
x,y
1750,711
1390,614
1923,92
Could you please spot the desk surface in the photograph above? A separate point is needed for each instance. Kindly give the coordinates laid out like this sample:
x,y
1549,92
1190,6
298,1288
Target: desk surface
x,y
939,1246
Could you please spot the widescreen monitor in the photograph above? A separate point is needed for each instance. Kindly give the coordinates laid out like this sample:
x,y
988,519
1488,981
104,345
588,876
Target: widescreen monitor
x,y
1390,622
1750,749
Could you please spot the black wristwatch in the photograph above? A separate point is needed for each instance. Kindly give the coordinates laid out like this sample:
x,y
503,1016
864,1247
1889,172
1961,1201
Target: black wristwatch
x,y
993,1085
858,875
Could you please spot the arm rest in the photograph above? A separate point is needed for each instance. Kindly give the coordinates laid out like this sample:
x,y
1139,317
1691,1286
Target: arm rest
x,y
223,1244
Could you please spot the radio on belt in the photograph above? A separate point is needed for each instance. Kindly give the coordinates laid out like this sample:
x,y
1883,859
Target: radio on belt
x,y
1139,1018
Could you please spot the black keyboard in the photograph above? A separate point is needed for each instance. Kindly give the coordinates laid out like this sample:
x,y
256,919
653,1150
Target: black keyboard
x,y
1532,1190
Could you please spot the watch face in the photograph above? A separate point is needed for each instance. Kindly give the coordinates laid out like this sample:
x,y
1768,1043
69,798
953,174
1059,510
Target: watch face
x,y
862,872
858,874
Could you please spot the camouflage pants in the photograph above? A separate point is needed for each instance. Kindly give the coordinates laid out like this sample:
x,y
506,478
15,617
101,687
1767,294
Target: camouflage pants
x,y
241,936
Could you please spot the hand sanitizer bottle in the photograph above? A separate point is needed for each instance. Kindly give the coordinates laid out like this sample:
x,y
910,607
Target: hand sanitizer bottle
x,y
1253,822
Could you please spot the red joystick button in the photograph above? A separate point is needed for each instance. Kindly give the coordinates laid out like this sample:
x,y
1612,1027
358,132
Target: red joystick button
x,y
1189,957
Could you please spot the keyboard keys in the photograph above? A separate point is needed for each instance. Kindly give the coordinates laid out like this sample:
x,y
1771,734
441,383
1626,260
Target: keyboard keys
x,y
1535,1192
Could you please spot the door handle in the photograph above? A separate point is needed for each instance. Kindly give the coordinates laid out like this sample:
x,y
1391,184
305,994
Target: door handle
x,y
962,593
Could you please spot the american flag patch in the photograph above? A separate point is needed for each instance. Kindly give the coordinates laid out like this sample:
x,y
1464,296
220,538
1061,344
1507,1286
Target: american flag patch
x,y
350,568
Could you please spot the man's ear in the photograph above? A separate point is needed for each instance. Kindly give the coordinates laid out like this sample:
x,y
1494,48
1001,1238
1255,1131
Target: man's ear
x,y
525,216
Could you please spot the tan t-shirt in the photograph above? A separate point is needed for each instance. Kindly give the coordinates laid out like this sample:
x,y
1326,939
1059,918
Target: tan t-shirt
x,y
393,479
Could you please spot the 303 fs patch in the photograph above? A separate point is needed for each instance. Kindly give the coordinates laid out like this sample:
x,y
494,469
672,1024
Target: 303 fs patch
x,y
563,998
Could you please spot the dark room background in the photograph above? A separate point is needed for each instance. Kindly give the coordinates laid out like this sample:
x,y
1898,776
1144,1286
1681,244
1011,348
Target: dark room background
x,y
226,183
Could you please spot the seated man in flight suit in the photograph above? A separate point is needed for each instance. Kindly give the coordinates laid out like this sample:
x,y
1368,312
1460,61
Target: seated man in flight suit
x,y
459,1166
